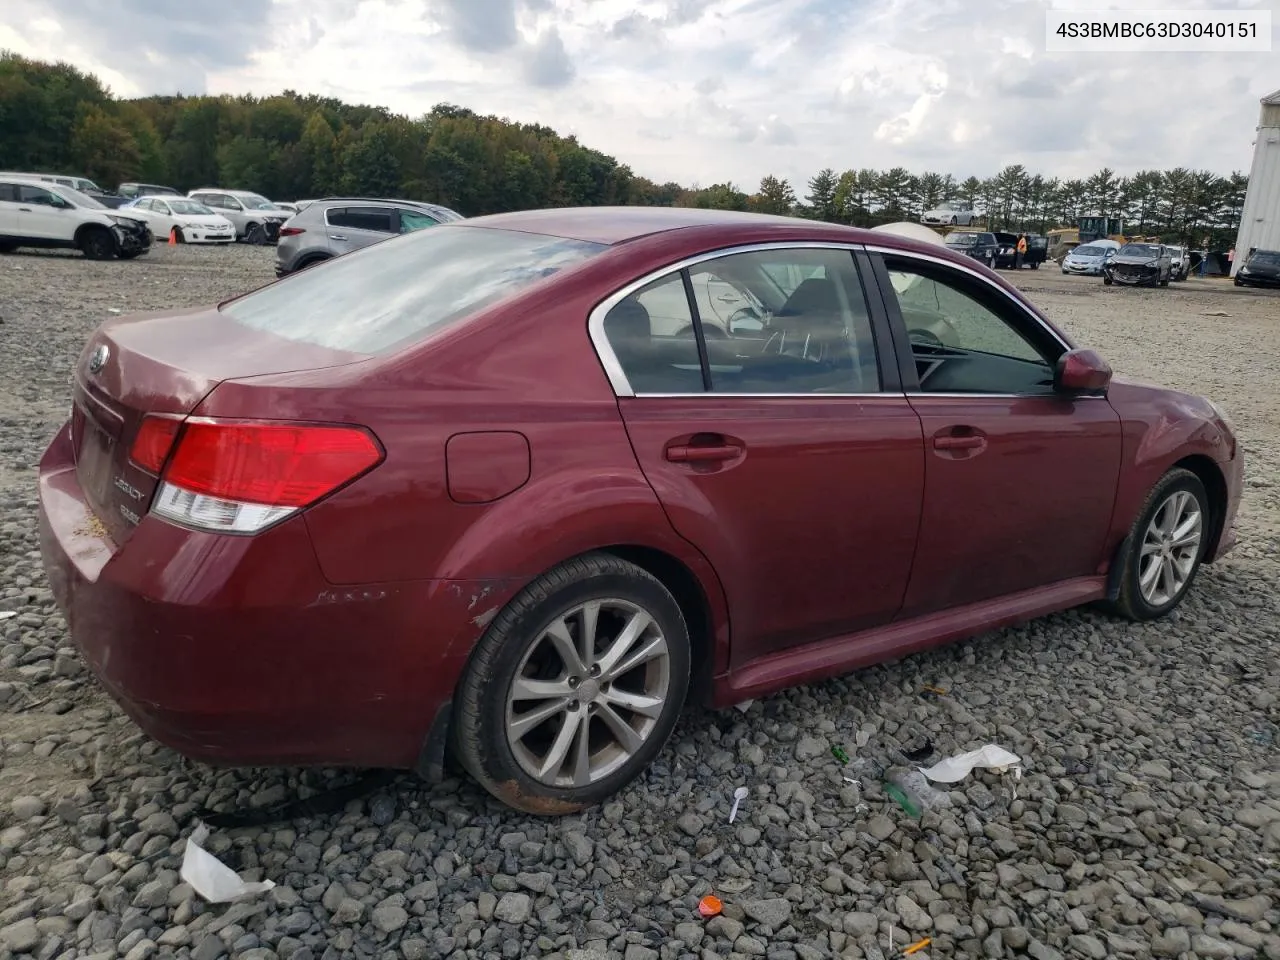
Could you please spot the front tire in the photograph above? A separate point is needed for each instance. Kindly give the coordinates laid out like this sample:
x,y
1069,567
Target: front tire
x,y
98,244
1106,279
255,235
1166,545
574,688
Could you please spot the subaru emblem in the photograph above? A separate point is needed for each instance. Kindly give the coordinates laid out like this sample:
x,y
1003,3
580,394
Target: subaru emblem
x,y
98,359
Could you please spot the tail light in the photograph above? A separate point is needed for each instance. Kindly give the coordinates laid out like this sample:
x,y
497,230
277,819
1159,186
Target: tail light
x,y
291,231
154,440
241,477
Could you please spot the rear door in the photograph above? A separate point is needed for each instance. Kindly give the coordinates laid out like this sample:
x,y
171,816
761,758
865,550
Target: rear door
x,y
780,454
1019,480
354,227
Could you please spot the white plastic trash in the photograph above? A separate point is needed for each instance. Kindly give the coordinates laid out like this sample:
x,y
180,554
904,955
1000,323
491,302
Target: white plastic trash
x,y
210,877
960,766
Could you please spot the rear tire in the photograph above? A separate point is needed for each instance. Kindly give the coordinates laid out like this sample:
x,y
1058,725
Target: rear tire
x,y
566,736
1169,509
8,247
97,243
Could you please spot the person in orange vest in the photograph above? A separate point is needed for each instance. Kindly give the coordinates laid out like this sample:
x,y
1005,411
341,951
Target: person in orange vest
x,y
1021,251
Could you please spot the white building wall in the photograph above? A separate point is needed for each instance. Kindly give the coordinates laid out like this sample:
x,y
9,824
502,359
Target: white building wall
x,y
1260,219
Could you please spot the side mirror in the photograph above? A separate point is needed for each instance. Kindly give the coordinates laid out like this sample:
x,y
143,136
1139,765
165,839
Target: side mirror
x,y
1082,371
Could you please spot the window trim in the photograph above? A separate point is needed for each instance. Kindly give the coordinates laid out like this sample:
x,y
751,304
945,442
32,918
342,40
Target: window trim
x,y
618,378
877,304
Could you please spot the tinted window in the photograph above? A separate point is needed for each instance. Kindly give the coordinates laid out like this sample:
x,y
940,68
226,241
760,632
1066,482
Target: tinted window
x,y
127,190
651,334
8,192
391,293
380,219
964,339
811,331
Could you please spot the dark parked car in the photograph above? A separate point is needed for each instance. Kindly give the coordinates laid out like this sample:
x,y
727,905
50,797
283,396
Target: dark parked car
x,y
328,228
1007,254
1139,264
1261,269
975,245
454,491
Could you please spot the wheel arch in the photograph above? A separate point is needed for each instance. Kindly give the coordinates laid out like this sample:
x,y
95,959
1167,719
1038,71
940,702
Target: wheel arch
x,y
85,228
1215,487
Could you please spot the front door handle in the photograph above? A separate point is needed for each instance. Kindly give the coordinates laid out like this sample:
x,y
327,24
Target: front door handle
x,y
688,454
958,443
24,209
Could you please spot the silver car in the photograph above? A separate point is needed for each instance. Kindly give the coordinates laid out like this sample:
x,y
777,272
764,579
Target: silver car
x,y
328,228
257,220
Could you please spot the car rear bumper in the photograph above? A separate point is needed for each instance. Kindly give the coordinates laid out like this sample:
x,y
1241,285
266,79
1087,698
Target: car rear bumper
x,y
236,650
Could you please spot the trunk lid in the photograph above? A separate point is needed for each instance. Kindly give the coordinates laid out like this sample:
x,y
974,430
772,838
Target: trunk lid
x,y
161,363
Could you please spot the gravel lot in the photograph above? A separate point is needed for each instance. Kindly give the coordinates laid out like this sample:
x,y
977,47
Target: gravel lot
x,y
1147,822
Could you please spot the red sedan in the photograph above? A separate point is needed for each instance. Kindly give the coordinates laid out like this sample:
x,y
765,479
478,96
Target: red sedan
x,y
519,486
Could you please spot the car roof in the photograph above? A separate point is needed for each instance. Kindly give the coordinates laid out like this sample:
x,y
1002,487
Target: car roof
x,y
614,225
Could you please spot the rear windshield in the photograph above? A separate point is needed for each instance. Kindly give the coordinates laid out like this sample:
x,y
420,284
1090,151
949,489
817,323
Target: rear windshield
x,y
401,289
961,239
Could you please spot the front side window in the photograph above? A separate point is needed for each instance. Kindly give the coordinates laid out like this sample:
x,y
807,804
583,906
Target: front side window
x,y
963,339
411,220
39,195
388,294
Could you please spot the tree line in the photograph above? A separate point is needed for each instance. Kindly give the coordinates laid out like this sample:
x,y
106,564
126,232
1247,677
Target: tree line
x,y
57,118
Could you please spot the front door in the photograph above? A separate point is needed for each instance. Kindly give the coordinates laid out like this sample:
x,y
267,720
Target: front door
x,y
781,458
1020,481
39,217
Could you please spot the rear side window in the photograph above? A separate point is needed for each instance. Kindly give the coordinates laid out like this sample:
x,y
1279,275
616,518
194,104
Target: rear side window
x,y
392,293
8,192
379,219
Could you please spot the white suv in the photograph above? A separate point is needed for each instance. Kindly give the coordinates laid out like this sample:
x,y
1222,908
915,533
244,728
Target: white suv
x,y
39,213
257,219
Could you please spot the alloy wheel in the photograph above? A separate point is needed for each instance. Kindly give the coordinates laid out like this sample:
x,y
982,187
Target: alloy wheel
x,y
1170,548
588,693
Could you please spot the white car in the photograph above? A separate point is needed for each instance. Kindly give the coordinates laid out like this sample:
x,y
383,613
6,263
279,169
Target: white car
x,y
42,213
194,222
1180,263
955,212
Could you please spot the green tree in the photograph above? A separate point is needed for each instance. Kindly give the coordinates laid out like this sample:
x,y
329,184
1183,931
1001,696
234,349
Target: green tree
x,y
774,196
318,149
368,167
103,148
822,195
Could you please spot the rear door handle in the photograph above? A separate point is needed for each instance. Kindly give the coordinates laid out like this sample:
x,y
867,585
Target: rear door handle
x,y
24,209
688,454
334,236
958,443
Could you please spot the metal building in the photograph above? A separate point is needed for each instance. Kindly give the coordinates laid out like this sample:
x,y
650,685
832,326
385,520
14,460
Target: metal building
x,y
1260,219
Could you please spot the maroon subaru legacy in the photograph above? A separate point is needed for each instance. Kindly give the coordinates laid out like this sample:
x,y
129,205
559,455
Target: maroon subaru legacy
x,y
516,488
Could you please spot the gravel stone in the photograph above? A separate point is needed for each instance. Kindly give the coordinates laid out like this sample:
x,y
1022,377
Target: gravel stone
x,y
26,807
514,908
20,936
772,913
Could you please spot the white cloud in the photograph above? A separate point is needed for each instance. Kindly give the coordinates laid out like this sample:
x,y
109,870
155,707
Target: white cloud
x,y
703,90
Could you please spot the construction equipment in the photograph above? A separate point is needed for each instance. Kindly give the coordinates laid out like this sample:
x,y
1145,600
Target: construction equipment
x,y
1100,228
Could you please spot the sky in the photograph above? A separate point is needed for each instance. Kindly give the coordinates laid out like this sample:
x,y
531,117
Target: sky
x,y
704,91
